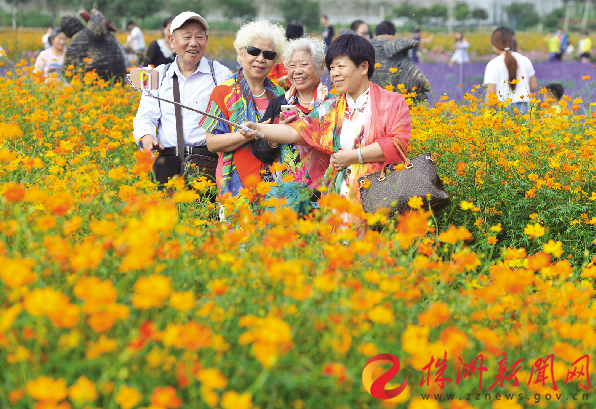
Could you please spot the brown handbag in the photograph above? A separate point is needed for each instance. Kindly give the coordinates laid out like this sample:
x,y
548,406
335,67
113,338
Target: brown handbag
x,y
391,188
204,166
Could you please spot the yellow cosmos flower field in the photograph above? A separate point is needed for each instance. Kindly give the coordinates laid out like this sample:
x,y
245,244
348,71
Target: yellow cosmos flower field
x,y
113,295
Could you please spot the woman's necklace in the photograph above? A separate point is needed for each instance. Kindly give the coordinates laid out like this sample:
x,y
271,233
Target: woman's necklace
x,y
305,104
259,96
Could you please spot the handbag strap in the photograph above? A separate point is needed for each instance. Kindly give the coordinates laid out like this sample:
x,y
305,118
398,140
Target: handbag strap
x,y
178,112
401,149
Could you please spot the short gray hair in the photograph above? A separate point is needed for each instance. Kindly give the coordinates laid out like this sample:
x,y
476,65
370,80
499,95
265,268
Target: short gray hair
x,y
261,28
313,45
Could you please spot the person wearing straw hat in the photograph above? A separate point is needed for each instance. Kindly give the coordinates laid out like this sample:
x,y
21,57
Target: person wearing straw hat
x,y
189,80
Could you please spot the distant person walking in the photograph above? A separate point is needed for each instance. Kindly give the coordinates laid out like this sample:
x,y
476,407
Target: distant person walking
x,y
159,51
418,37
46,38
52,59
585,48
461,45
328,31
563,43
135,39
510,75
553,45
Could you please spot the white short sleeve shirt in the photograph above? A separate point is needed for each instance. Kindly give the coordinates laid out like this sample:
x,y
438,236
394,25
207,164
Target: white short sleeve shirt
x,y
496,73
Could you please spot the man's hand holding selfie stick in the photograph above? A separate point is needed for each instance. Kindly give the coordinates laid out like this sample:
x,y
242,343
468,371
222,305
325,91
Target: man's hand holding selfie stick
x,y
146,80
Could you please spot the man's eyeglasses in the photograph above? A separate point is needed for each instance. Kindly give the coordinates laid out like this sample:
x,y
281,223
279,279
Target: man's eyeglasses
x,y
255,52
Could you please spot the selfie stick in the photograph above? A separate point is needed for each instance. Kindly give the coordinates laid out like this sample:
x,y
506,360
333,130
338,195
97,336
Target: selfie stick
x,y
146,79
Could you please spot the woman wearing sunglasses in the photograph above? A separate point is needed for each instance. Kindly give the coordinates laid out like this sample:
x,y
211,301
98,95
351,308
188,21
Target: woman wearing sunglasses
x,y
351,135
244,98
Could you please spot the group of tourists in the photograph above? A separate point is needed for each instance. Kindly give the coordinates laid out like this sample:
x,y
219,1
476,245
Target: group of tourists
x,y
324,140
559,45
354,130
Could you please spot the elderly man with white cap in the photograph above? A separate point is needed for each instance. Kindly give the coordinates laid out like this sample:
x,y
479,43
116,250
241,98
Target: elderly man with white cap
x,y
188,80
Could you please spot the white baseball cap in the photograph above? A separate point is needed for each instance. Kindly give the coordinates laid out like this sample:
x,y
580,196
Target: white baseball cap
x,y
184,17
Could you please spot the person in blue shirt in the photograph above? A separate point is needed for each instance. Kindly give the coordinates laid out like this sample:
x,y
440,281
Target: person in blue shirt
x,y
563,43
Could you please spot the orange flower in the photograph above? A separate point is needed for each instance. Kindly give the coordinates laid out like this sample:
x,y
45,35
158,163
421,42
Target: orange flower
x,y
437,314
14,192
455,234
165,397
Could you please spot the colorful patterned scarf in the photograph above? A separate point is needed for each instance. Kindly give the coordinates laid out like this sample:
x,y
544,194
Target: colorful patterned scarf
x,y
233,100
388,117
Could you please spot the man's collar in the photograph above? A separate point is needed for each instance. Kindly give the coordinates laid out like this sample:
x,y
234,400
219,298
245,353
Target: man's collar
x,y
203,67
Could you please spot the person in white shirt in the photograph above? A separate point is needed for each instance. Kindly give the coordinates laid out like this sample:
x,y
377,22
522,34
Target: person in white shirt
x,y
52,59
197,77
511,76
46,38
135,39
461,45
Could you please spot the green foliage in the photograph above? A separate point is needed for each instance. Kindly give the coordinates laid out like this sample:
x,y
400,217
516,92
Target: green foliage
x,y
238,8
461,11
179,6
305,12
522,15
552,20
416,14
438,11
479,14
29,19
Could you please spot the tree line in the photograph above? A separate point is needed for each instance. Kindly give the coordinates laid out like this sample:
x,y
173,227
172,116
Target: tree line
x,y
520,15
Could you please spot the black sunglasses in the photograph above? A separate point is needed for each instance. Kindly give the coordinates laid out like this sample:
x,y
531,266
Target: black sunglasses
x,y
255,52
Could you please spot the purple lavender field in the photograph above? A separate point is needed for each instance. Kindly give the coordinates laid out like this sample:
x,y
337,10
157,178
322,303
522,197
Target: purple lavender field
x,y
446,80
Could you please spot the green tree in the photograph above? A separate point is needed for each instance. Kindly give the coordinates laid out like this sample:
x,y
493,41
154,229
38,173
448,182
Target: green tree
x,y
438,11
479,14
553,20
461,12
238,8
180,6
405,9
306,13
522,15
417,14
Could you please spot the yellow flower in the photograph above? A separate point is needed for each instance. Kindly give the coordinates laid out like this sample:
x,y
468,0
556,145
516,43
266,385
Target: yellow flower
x,y
212,378
47,389
556,249
381,315
233,400
151,291
16,273
377,65
393,70
8,316
182,301
128,397
390,88
534,231
414,339
368,349
496,229
466,205
415,202
83,391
